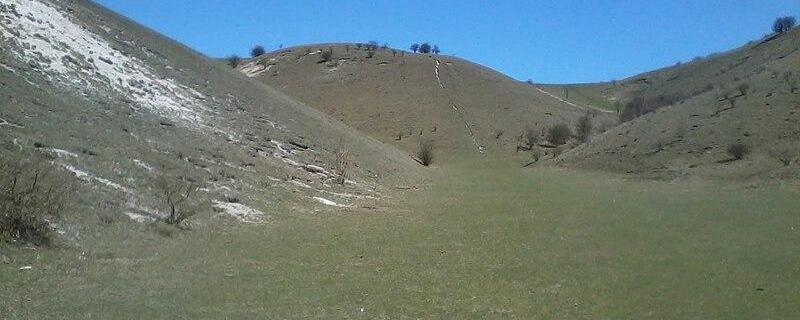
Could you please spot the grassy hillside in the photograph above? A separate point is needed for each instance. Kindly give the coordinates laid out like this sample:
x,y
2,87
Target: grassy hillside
x,y
748,96
401,98
484,240
121,108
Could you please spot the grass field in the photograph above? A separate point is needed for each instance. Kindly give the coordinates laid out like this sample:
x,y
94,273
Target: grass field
x,y
485,240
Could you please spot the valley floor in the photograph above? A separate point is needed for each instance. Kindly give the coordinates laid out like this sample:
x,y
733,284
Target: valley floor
x,y
485,240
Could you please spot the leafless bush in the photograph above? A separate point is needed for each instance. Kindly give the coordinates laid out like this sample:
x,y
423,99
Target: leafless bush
x,y
738,151
531,137
498,133
326,55
584,128
425,152
343,165
785,154
743,88
559,134
179,198
234,61
32,191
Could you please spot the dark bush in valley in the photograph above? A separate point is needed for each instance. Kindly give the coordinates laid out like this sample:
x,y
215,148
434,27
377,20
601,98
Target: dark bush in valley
x,y
559,134
738,151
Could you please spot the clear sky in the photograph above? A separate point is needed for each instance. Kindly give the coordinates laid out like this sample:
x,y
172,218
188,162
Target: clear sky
x,y
548,41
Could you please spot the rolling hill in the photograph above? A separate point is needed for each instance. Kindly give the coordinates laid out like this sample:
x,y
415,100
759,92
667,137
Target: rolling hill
x,y
121,108
689,115
402,98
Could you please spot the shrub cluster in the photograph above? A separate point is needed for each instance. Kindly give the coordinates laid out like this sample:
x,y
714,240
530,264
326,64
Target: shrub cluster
x,y
425,47
783,24
32,192
640,106
559,134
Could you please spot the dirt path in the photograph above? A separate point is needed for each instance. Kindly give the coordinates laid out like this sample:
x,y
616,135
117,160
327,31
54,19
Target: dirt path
x,y
572,103
461,114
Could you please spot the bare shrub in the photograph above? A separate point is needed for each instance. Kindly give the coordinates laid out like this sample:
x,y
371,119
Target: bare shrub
x,y
32,191
234,61
531,137
738,151
785,154
343,165
179,198
326,55
425,152
559,134
743,88
583,130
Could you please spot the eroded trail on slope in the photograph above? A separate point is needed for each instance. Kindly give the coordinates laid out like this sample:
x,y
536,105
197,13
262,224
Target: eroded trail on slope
x,y
570,103
458,111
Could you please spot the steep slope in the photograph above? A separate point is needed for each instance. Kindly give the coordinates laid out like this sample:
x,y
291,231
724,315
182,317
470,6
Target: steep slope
x,y
401,98
748,96
122,107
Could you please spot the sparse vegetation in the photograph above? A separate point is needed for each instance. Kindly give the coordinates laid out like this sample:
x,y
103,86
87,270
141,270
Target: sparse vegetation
x,y
640,106
783,24
32,192
531,138
435,49
414,47
743,88
425,152
257,51
559,134
738,151
342,166
785,154
583,130
234,61
179,198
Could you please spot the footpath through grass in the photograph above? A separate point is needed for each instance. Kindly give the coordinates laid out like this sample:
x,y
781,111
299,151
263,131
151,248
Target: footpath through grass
x,y
485,240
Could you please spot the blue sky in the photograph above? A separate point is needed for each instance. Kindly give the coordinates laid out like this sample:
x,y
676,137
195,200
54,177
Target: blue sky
x,y
548,41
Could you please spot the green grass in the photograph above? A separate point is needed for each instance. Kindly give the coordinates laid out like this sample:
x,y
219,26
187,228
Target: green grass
x,y
486,240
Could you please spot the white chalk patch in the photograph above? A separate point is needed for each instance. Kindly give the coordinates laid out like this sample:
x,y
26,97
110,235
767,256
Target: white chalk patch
x,y
85,176
62,153
300,184
140,218
329,202
72,55
241,212
26,268
7,68
4,122
142,164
